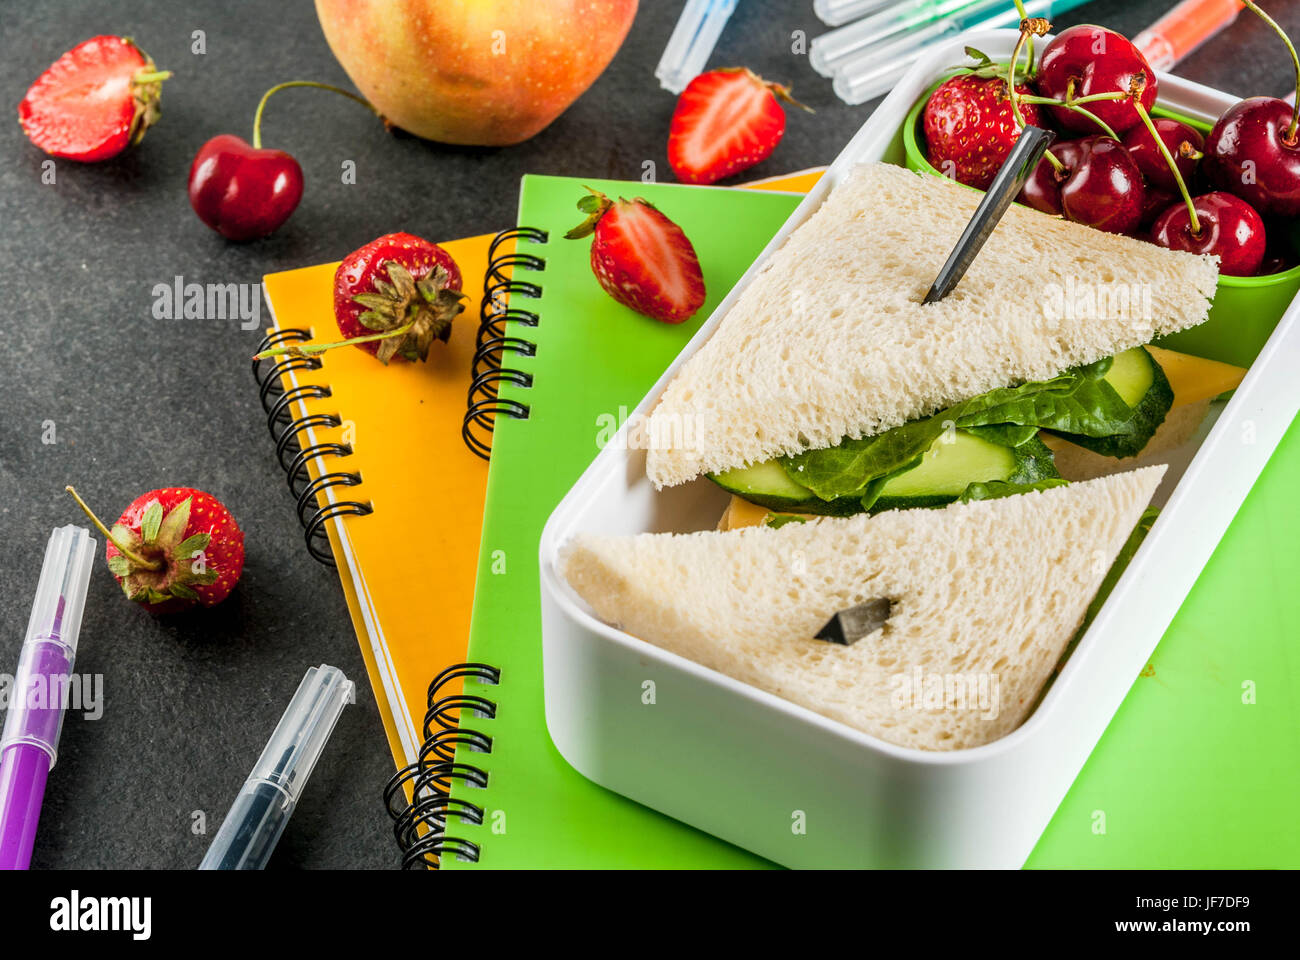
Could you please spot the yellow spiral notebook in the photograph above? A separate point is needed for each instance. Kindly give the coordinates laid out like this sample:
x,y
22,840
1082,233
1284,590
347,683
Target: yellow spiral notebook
x,y
407,567
379,467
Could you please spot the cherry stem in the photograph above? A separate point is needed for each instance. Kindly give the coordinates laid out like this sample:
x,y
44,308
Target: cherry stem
x,y
311,349
1173,167
1074,105
1029,63
1011,77
1290,139
257,117
122,548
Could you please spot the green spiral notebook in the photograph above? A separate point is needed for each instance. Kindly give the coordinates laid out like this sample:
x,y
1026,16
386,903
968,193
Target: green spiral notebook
x,y
1186,774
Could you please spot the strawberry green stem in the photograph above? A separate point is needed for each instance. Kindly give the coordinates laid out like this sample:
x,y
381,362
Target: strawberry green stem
x,y
1173,167
311,349
257,117
1290,138
151,76
122,548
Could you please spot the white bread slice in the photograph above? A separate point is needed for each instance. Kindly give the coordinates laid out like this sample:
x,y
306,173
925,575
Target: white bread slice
x,y
983,593
831,340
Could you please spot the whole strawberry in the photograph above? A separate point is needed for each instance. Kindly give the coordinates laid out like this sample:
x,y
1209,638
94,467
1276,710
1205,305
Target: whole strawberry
x,y
94,101
970,128
173,549
725,121
401,287
641,258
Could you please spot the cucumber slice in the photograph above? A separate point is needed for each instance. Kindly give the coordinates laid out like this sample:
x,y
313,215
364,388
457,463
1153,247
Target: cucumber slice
x,y
766,484
1140,382
948,468
939,477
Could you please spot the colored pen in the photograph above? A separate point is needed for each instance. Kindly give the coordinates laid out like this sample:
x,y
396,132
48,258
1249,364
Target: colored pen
x,y
839,44
29,745
875,69
1183,29
693,39
262,809
835,12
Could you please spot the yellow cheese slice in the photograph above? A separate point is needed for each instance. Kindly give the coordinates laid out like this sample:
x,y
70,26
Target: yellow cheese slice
x,y
1195,378
742,513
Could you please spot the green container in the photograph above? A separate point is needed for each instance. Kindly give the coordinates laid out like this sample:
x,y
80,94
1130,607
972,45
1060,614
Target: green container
x,y
1245,309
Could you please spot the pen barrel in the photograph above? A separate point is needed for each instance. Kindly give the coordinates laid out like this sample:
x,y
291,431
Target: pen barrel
x,y
39,697
252,828
23,772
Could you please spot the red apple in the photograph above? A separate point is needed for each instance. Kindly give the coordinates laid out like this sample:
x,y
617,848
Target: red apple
x,y
489,73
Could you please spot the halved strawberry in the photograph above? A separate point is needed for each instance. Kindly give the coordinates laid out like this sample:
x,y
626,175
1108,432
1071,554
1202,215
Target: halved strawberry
x,y
641,258
94,101
726,120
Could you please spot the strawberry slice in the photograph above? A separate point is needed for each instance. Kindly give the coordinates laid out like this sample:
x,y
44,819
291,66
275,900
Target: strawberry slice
x,y
641,258
726,121
94,101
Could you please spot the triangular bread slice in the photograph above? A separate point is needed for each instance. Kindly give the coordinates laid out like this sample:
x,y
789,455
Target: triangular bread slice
x,y
831,340
986,596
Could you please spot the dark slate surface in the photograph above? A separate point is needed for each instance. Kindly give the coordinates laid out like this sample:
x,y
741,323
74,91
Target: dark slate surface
x,y
139,402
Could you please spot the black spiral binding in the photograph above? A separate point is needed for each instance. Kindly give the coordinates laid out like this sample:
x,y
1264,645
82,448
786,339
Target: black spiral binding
x,y
488,371
420,826
286,431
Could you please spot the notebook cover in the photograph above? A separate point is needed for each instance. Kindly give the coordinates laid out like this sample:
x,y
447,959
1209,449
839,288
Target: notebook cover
x,y
410,585
1197,769
594,359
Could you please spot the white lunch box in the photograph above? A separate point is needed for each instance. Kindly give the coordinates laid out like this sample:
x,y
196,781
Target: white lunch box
x,y
806,791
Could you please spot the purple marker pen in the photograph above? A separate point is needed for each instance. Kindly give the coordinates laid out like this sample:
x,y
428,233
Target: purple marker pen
x,y
37,701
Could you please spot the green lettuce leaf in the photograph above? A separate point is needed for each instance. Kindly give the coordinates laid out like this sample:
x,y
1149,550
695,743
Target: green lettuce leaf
x,y
996,489
778,520
1078,401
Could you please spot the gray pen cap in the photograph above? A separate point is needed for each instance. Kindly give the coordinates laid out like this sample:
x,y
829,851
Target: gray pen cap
x,y
292,752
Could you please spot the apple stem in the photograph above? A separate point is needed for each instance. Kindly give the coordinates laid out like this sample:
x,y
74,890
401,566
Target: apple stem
x,y
122,548
311,349
1173,166
1290,139
257,117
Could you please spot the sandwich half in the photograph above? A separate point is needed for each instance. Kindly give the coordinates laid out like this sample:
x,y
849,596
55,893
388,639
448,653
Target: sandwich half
x,y
984,598
830,345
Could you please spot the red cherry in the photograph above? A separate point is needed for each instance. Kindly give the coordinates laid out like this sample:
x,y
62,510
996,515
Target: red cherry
x,y
1249,154
1087,60
1230,230
1155,202
243,192
1142,148
1099,185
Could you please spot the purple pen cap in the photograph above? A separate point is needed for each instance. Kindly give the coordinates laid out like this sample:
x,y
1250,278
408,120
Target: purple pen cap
x,y
37,700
